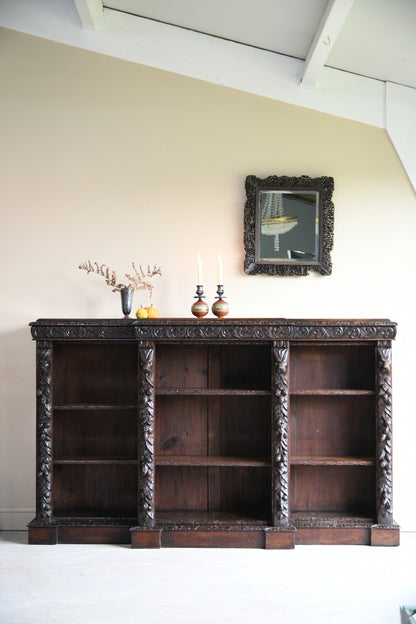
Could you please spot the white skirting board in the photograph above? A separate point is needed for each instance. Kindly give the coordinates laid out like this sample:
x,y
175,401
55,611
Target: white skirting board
x,y
16,519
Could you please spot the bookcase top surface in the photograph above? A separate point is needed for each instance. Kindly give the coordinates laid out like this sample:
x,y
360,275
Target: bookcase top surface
x,y
212,329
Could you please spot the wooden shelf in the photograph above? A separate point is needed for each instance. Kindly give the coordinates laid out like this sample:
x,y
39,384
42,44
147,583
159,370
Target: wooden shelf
x,y
209,392
93,406
197,517
329,392
332,461
201,460
93,461
82,516
330,518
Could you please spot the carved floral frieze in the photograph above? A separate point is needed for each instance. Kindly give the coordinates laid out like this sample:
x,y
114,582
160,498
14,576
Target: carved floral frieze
x,y
231,329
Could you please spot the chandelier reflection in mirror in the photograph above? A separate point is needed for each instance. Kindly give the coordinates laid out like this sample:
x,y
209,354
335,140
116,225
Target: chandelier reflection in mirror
x,y
273,220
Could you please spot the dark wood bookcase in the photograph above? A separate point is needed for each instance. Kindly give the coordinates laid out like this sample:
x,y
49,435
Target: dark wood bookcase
x,y
261,433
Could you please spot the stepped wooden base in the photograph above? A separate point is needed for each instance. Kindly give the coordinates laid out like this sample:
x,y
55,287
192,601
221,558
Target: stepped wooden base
x,y
215,537
268,538
79,534
385,535
43,535
371,536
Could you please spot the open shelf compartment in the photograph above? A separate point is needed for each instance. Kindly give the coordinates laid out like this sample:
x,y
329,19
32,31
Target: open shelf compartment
x,y
213,447
331,367
95,490
193,494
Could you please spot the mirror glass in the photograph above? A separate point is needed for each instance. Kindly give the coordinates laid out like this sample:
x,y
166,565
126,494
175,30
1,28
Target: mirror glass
x,y
287,226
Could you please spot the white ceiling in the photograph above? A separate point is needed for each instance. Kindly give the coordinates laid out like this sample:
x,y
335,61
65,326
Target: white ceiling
x,y
376,40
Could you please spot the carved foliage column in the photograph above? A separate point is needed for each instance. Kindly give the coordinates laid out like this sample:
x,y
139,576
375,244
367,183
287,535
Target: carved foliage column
x,y
44,432
384,433
280,434
146,515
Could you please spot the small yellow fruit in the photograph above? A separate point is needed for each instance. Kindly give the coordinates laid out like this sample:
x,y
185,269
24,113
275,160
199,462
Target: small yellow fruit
x,y
152,312
141,313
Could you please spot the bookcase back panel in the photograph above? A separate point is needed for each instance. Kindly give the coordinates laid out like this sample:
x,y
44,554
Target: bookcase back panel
x,y
201,366
349,489
181,366
232,490
181,487
245,367
198,425
244,427
246,490
181,425
332,425
95,434
332,366
95,490
95,373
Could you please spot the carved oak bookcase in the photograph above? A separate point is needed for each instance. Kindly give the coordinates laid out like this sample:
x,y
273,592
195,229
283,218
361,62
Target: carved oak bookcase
x,y
260,433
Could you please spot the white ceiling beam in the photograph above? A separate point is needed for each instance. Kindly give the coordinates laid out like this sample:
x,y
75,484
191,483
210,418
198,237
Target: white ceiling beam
x,y
401,125
90,12
192,54
330,25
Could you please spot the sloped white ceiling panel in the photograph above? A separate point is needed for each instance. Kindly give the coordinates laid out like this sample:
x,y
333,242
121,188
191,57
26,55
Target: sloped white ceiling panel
x,y
378,40
276,25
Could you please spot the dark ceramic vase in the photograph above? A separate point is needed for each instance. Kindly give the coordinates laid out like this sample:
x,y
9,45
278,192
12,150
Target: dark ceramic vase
x,y
126,301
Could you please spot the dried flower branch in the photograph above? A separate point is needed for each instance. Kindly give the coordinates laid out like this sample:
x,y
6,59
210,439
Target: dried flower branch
x,y
139,280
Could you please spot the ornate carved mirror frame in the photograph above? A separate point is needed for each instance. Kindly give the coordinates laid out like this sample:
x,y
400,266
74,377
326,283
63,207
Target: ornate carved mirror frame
x,y
288,225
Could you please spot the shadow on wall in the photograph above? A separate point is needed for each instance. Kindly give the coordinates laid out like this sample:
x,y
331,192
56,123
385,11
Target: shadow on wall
x,y
17,428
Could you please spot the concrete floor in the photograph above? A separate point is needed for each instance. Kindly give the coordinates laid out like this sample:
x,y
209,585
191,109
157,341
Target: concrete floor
x,y
83,584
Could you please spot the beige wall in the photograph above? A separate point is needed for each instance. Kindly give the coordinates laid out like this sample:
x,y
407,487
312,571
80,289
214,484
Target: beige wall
x,y
115,162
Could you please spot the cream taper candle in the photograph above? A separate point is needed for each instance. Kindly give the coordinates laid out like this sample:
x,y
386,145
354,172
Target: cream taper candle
x,y
219,270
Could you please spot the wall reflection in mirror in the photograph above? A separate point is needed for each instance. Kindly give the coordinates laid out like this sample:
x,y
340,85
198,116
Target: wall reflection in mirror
x,y
288,226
